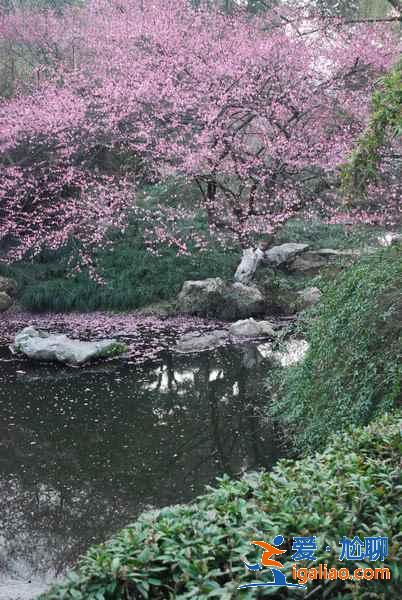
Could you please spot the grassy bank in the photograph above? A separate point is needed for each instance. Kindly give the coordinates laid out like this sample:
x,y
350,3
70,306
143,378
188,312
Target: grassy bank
x,y
133,277
195,551
353,370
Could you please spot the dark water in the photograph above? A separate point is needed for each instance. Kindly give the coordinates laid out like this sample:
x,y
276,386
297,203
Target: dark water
x,y
84,451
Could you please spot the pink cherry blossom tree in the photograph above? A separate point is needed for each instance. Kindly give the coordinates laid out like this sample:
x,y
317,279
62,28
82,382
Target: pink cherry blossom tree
x,y
122,91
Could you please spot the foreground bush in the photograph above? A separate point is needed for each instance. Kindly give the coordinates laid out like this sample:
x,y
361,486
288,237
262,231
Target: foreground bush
x,y
196,550
353,370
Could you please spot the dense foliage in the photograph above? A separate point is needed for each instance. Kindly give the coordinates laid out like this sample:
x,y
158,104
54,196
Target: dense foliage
x,y
196,551
380,148
353,370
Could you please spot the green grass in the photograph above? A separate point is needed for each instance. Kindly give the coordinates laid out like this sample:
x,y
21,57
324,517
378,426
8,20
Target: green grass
x,y
196,550
133,277
353,370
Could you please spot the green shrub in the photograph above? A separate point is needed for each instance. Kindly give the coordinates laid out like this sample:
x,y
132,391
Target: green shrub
x,y
196,550
353,369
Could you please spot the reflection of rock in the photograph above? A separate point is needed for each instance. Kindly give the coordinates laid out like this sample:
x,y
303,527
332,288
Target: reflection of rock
x,y
308,297
280,255
40,345
250,357
196,342
215,298
251,328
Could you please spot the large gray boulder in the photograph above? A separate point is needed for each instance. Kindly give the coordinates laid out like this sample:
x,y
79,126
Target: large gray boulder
x,y
40,345
5,301
8,290
242,301
251,328
9,286
281,255
202,297
197,342
215,298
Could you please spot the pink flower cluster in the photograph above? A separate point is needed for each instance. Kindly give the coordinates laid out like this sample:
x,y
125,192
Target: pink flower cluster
x,y
241,106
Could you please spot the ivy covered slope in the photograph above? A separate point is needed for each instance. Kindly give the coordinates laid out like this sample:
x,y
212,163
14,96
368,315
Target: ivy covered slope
x,y
196,550
353,370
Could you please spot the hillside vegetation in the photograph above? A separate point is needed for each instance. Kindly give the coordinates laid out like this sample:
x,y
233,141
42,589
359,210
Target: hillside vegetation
x,y
134,278
353,370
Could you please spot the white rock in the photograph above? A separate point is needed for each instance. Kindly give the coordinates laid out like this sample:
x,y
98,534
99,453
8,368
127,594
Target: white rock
x,y
250,260
40,345
243,301
201,296
215,298
251,328
8,285
390,239
314,260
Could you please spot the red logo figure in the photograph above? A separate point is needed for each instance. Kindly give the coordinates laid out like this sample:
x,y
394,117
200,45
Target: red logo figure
x,y
269,551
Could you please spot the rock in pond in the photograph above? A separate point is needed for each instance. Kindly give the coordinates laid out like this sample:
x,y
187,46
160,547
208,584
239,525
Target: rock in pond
x,y
197,342
40,345
293,352
251,328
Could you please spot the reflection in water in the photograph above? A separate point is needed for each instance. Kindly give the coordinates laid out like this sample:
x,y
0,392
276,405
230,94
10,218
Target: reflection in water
x,y
83,452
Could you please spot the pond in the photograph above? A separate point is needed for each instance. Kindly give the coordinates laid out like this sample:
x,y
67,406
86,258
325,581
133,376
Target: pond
x,y
84,451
